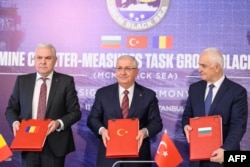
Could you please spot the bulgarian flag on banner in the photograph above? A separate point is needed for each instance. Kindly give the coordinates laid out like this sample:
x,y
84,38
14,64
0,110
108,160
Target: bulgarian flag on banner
x,y
167,154
5,151
111,41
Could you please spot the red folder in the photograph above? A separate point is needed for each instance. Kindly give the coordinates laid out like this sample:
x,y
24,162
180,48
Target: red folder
x,y
31,135
122,143
205,136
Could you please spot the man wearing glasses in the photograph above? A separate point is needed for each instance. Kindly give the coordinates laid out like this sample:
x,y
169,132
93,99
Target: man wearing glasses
x,y
143,105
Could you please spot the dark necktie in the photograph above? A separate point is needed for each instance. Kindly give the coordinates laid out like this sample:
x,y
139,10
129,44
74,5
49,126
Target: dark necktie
x,y
125,104
42,100
208,100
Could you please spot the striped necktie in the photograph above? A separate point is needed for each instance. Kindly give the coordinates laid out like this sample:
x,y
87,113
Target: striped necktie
x,y
42,100
125,104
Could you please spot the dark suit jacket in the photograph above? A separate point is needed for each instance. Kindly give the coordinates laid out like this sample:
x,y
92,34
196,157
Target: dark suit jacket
x,y
62,104
230,102
107,106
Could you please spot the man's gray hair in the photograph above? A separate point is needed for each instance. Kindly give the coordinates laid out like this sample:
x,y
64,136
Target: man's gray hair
x,y
215,55
46,45
130,57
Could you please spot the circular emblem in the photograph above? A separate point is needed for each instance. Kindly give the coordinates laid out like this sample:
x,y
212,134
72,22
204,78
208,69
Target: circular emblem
x,y
137,15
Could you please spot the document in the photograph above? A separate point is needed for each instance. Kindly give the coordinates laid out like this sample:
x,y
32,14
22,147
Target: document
x,y
205,136
31,135
123,143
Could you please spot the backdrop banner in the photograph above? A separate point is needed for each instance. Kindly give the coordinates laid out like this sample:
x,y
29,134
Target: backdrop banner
x,y
165,36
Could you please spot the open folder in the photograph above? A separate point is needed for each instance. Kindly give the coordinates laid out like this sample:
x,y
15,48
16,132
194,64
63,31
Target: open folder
x,y
122,143
205,136
31,135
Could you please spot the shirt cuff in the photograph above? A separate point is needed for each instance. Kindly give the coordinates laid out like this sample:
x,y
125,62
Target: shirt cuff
x,y
14,123
146,130
100,130
61,125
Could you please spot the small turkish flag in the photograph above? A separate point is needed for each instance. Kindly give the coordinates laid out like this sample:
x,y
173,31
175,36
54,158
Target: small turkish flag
x,y
137,42
167,154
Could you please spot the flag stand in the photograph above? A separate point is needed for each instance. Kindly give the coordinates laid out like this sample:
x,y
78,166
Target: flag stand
x,y
119,162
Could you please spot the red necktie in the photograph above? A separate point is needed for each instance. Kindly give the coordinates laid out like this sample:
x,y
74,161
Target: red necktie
x,y
42,100
125,104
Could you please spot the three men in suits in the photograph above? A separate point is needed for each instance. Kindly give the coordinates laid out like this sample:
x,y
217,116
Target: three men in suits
x,y
143,105
62,107
229,100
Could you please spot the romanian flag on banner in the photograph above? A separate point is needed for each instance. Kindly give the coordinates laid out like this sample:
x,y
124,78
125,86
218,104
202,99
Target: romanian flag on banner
x,y
167,154
111,41
5,151
163,42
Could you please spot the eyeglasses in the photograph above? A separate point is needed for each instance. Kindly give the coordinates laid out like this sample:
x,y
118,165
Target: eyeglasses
x,y
126,69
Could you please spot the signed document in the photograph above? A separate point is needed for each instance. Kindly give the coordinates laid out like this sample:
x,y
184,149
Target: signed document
x,y
122,143
205,137
31,135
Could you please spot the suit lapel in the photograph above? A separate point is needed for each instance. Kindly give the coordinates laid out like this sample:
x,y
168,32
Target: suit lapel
x,y
136,101
222,90
30,81
200,97
116,102
53,89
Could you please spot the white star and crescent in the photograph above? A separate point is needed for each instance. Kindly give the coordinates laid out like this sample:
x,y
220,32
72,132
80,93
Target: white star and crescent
x,y
133,42
164,151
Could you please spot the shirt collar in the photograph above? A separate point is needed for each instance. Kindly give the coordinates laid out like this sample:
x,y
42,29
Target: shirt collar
x,y
218,83
38,76
130,89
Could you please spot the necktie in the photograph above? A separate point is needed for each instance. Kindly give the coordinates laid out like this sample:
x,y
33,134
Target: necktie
x,y
125,104
208,100
42,100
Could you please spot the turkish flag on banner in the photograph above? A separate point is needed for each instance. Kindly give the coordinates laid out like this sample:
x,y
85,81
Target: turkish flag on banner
x,y
137,42
167,154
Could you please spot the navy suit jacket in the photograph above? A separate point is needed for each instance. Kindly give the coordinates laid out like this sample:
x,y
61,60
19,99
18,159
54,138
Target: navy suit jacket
x,y
144,106
230,103
62,104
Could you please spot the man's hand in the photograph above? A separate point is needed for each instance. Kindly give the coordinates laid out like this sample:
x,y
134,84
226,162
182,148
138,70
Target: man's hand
x,y
16,126
141,135
53,125
218,156
187,128
105,136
